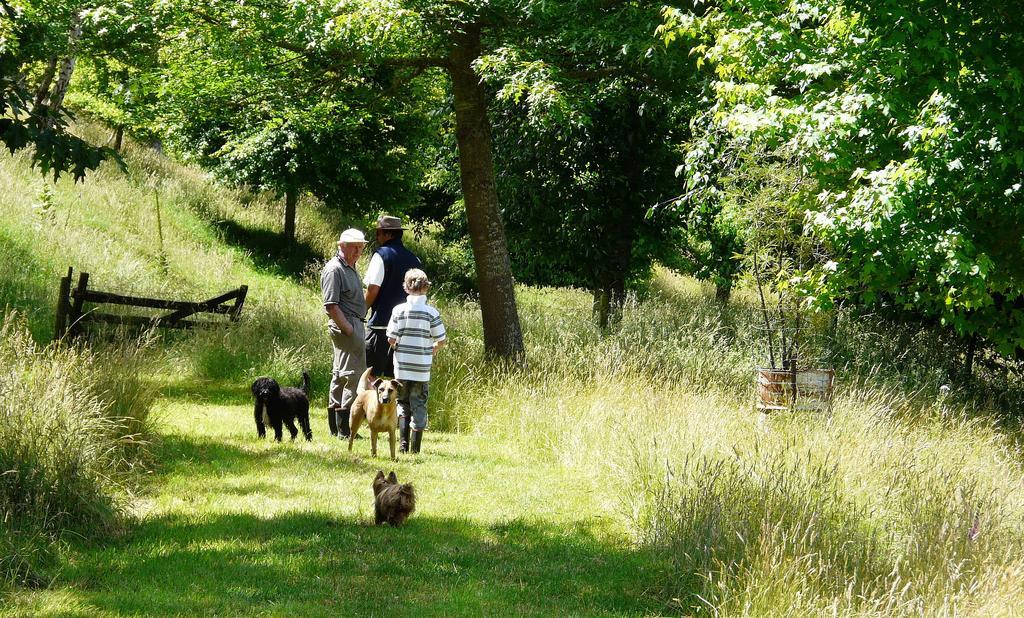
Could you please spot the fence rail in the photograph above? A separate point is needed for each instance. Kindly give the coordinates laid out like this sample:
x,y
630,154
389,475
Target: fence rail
x,y
72,317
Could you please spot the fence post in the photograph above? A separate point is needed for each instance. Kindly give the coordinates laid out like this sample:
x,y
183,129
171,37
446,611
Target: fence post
x,y
239,300
60,326
76,309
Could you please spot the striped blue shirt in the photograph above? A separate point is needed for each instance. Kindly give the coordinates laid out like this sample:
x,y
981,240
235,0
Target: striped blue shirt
x,y
416,326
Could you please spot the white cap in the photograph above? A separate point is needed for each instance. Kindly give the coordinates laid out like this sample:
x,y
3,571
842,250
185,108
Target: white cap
x,y
352,235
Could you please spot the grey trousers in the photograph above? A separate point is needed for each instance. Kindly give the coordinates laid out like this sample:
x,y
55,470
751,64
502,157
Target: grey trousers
x,y
349,365
412,403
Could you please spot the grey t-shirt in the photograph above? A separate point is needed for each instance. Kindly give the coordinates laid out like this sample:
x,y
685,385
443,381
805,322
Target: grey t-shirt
x,y
341,286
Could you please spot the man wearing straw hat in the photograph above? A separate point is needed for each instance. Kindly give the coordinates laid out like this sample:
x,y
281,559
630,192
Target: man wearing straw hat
x,y
384,279
346,307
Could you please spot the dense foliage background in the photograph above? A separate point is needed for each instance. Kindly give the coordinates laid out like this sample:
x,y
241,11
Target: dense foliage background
x,y
600,137
904,121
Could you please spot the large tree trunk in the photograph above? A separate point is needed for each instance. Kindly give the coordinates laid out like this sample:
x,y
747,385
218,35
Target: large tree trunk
x,y
723,291
503,337
118,139
291,198
620,232
603,307
67,67
43,90
972,345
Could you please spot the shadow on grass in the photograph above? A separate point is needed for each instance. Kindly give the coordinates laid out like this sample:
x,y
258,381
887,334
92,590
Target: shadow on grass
x,y
199,457
313,563
219,392
269,250
310,564
27,287
237,391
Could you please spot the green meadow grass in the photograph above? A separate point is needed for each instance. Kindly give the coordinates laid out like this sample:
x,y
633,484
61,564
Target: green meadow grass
x,y
618,473
236,526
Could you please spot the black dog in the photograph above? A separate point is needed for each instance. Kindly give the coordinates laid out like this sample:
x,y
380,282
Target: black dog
x,y
276,405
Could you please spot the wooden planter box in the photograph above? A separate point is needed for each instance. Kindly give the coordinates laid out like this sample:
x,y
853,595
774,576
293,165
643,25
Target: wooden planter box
x,y
803,389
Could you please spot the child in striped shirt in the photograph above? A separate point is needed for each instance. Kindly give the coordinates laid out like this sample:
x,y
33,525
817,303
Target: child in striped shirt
x,y
416,334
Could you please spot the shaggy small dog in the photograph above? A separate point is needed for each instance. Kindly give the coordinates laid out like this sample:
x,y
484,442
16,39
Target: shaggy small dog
x,y
377,404
393,502
276,406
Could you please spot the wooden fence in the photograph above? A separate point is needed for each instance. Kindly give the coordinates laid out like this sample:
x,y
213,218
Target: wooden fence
x,y
72,316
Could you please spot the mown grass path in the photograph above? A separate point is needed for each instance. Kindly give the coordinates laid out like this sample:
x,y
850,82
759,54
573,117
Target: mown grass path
x,y
235,526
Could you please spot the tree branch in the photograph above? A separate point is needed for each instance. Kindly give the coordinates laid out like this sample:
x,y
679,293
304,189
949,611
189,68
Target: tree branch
x,y
590,75
593,74
420,63
340,58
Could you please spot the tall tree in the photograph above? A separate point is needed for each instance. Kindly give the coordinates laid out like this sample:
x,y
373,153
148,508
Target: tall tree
x,y
578,196
258,115
908,119
502,334
591,114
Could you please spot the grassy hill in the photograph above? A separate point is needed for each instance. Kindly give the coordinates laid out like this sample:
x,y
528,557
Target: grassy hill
x,y
620,473
206,240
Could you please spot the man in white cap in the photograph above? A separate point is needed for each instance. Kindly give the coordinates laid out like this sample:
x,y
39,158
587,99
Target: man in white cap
x,y
346,309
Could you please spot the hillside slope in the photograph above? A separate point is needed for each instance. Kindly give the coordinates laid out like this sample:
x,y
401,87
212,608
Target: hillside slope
x,y
205,240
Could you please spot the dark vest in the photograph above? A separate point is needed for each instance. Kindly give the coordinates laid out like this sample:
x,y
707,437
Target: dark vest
x,y
397,259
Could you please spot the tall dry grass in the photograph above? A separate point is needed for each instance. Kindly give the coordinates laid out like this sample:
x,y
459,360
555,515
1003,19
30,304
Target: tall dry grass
x,y
73,430
898,502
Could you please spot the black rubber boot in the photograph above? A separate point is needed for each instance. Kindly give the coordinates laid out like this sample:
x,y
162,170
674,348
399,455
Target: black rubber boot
x,y
403,434
343,430
417,437
332,421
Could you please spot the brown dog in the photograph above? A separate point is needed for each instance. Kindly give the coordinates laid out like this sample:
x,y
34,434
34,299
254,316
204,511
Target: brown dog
x,y
393,502
376,403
